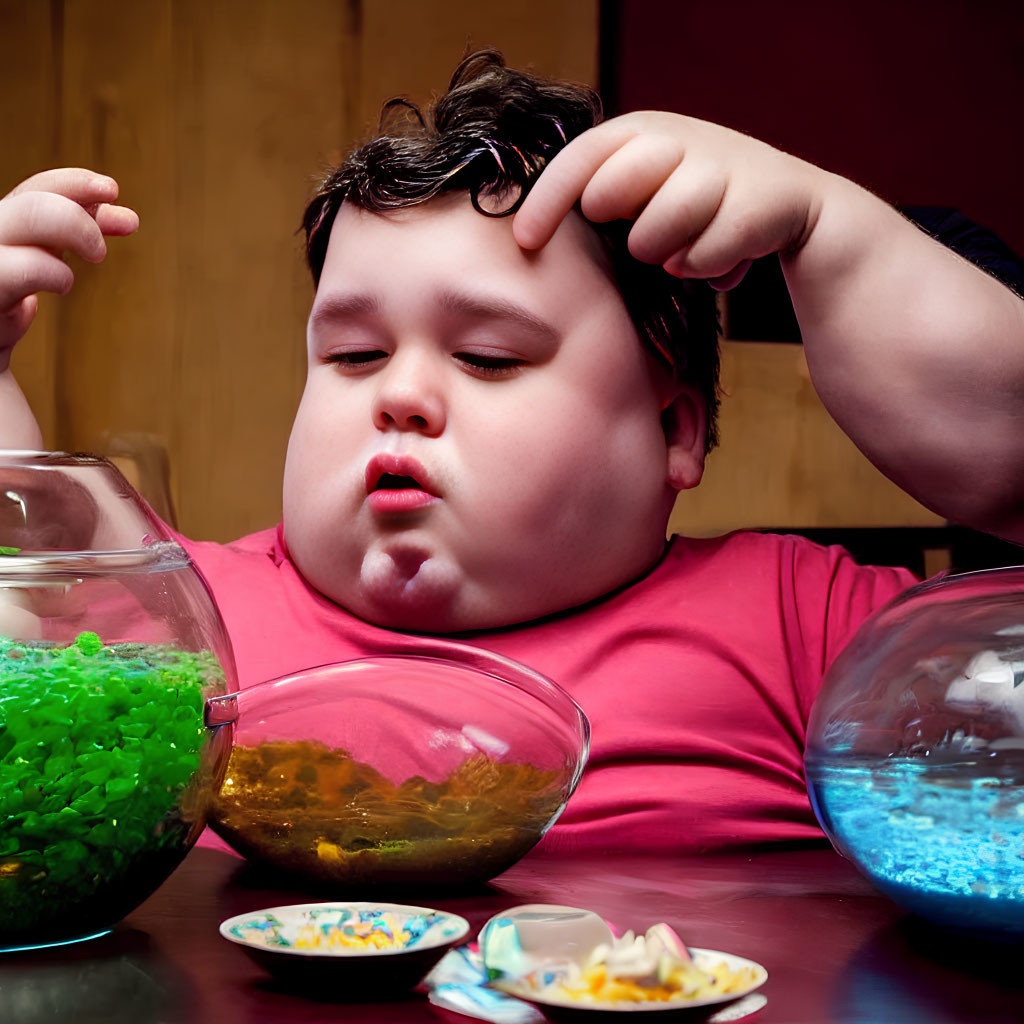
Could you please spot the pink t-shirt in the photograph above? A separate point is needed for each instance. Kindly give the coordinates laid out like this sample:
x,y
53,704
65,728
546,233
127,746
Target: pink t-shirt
x,y
697,679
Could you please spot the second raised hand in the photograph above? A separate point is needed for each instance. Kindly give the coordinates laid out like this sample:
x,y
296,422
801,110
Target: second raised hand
x,y
705,200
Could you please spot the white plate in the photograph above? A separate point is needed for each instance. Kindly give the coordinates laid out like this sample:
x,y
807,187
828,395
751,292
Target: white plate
x,y
703,958
358,970
445,931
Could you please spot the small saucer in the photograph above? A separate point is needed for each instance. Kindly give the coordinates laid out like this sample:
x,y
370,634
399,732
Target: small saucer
x,y
352,949
568,1008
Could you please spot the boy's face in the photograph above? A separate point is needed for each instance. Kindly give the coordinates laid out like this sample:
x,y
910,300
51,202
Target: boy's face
x,y
479,441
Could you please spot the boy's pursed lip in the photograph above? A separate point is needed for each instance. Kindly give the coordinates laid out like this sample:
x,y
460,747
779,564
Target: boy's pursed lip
x,y
398,483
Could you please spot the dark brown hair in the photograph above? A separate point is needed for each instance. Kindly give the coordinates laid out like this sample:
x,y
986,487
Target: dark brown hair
x,y
490,135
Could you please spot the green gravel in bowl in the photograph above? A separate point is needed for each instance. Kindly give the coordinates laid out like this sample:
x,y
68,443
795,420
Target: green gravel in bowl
x,y
104,779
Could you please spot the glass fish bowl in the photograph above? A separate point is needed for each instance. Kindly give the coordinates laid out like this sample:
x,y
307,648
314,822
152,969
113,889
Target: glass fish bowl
x,y
110,644
445,766
915,751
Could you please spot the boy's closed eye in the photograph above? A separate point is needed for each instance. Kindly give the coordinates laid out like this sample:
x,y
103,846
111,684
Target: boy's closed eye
x,y
357,359
480,364
490,364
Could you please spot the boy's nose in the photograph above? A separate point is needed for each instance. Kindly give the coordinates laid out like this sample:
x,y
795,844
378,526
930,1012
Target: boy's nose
x,y
409,400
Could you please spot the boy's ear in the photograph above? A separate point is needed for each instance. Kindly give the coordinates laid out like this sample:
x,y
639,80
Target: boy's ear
x,y
684,420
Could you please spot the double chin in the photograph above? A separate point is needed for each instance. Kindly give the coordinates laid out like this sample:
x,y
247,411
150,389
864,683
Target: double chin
x,y
407,587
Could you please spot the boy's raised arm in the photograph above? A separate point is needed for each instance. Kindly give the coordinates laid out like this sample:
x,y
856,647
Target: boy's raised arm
x,y
917,354
49,214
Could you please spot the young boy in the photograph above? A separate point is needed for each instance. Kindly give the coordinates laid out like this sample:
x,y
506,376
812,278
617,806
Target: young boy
x,y
499,411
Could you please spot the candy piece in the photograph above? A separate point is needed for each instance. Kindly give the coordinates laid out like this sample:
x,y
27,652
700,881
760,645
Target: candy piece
x,y
528,937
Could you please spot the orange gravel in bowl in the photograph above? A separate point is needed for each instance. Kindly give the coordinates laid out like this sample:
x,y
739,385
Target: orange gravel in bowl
x,y
312,810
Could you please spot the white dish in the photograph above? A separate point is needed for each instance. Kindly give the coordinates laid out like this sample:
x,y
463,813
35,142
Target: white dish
x,y
704,958
277,938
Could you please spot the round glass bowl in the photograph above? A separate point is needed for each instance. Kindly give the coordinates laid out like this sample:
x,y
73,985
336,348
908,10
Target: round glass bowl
x,y
110,645
915,751
444,767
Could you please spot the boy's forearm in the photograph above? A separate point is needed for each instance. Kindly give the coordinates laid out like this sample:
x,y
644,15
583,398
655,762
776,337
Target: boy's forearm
x,y
919,356
18,426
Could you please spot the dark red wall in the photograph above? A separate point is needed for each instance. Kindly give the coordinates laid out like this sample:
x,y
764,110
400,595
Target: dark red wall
x,y
923,102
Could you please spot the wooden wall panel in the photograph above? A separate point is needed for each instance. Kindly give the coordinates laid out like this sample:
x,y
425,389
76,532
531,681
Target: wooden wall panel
x,y
409,47
782,461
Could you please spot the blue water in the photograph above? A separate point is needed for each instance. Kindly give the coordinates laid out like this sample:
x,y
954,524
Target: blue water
x,y
946,841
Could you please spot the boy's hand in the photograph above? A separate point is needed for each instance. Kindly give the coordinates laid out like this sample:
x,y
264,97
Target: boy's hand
x,y
706,200
49,214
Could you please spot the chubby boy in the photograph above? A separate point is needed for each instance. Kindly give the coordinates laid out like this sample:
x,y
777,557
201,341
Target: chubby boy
x,y
500,410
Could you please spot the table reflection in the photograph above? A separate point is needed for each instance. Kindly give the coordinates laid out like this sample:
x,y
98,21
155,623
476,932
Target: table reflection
x,y
120,977
910,970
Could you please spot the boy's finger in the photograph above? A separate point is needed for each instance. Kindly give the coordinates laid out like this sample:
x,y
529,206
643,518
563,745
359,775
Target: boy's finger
x,y
77,183
94,192
624,183
679,211
25,270
51,222
725,282
743,228
562,182
13,325
115,220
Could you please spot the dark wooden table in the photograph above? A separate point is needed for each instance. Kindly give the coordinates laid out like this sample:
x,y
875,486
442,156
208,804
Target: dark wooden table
x,y
836,951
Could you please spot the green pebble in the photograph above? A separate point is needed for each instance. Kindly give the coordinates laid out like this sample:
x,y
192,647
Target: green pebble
x,y
57,766
97,776
119,789
91,802
88,643
70,851
137,730
102,835
31,821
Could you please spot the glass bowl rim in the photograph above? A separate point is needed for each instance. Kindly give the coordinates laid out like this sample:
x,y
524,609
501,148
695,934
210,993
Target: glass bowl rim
x,y
524,678
55,458
954,579
164,554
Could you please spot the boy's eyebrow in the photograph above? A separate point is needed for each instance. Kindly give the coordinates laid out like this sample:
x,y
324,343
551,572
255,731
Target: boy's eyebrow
x,y
341,307
333,308
487,308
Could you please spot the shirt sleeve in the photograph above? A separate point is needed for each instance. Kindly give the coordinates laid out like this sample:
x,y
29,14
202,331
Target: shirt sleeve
x,y
826,597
